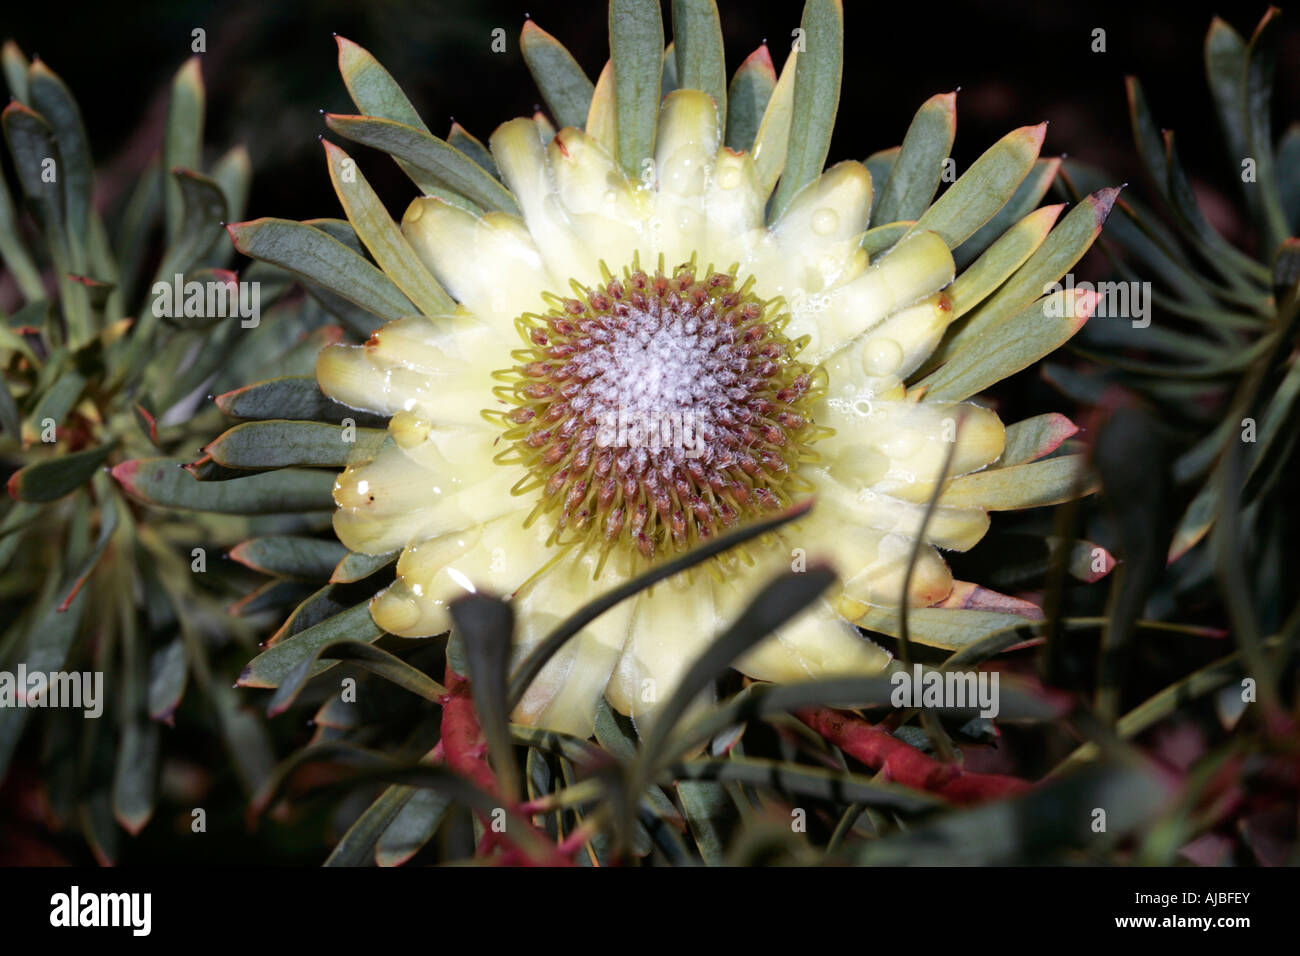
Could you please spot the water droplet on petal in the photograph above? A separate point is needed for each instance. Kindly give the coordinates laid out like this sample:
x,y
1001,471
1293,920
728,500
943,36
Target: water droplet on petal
x,y
824,221
881,356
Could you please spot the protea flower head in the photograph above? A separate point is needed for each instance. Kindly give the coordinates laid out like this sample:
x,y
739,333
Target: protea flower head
x,y
608,343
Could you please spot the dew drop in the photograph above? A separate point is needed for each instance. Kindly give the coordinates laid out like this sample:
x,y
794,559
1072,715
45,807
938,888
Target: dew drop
x,y
824,221
881,356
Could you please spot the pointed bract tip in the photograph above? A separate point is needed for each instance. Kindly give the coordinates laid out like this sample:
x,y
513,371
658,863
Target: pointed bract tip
x,y
1103,200
124,472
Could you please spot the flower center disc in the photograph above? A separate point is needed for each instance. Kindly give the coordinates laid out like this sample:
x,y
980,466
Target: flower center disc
x,y
658,410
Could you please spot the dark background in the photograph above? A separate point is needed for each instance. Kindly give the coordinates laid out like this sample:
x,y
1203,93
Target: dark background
x,y
271,67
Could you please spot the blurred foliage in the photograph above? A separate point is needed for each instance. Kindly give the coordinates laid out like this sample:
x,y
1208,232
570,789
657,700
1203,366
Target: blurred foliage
x,y
95,374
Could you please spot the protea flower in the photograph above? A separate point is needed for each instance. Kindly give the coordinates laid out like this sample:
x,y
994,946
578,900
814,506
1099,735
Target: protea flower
x,y
609,343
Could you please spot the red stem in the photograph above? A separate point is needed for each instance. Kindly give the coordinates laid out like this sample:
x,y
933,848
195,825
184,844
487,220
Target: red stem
x,y
903,763
465,752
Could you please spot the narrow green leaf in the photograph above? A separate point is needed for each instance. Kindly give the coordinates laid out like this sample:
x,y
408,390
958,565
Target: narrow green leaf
x,y
245,737
233,173
279,661
294,397
986,187
1226,259
11,423
1064,246
1001,260
32,143
1008,345
137,218
636,43
51,98
701,59
914,179
311,254
1261,64
377,661
163,483
1288,175
772,141
1031,485
279,596
382,237
747,98
602,118
355,846
110,517
34,148
15,70
668,72
881,239
1021,204
53,478
1032,438
709,812
54,404
50,637
446,165
807,781
281,444
880,165
373,88
168,671
182,138
816,99
135,780
460,138
562,82
320,604
412,827
486,625
16,258
289,555
358,567
1225,69
202,212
